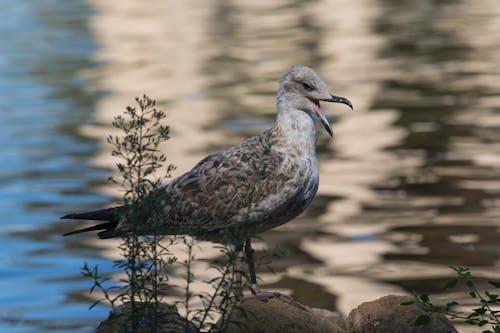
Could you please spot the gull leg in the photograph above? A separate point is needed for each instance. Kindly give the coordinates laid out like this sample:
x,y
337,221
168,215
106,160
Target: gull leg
x,y
237,267
257,294
249,251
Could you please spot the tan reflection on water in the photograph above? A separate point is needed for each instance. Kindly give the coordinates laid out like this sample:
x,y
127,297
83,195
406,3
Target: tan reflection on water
x,y
214,65
154,49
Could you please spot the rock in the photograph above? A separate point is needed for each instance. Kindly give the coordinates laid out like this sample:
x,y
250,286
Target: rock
x,y
170,320
387,315
282,315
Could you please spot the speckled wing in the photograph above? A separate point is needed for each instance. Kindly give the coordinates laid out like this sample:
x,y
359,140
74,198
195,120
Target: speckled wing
x,y
249,184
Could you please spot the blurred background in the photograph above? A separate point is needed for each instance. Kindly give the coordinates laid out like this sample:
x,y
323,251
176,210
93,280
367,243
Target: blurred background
x,y
409,183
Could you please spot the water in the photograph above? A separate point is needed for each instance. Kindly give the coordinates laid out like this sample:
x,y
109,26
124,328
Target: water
x,y
44,167
409,185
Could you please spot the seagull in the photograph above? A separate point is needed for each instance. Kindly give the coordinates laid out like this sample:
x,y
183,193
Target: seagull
x,y
233,195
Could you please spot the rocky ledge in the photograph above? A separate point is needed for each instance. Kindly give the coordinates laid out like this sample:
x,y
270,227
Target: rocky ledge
x,y
282,314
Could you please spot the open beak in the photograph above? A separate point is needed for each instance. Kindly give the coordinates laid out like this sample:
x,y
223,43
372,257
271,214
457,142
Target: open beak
x,y
337,99
322,117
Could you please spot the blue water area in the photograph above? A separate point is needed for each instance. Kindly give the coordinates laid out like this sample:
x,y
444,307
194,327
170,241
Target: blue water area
x,y
416,168
43,165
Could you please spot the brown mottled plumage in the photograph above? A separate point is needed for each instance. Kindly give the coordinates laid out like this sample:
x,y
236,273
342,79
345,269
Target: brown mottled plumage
x,y
255,186
265,181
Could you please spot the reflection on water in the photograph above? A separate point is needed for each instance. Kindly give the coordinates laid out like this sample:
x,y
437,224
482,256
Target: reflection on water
x,y
43,168
409,185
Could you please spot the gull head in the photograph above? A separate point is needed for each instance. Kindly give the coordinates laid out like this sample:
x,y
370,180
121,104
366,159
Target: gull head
x,y
303,88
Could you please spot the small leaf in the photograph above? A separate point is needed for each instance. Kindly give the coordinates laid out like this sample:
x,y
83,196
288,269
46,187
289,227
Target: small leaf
x,y
473,315
482,322
495,284
450,305
424,298
422,320
451,283
492,296
480,311
407,303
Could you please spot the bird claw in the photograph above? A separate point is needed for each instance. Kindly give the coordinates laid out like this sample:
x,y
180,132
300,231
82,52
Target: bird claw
x,y
254,289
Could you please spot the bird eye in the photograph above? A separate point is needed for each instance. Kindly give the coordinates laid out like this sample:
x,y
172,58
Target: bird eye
x,y
307,86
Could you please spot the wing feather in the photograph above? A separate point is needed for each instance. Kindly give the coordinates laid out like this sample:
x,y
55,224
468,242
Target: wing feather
x,y
244,182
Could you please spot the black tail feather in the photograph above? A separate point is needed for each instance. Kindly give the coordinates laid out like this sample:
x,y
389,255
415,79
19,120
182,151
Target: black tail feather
x,y
108,226
110,215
